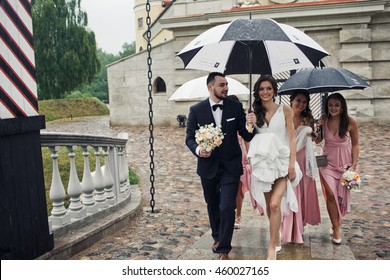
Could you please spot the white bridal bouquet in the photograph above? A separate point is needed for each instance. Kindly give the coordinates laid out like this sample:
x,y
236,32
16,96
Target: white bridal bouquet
x,y
209,136
351,180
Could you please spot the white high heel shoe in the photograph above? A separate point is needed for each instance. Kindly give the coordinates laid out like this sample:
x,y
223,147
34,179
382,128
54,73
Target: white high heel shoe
x,y
237,223
334,240
279,248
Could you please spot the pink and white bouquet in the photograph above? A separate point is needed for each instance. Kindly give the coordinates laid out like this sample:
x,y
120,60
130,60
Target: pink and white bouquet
x,y
209,136
351,180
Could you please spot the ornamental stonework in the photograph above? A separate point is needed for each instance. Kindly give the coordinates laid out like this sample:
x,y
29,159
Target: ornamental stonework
x,y
246,3
283,1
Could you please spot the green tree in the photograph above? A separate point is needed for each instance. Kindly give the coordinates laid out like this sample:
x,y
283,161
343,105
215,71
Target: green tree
x,y
99,87
65,52
127,49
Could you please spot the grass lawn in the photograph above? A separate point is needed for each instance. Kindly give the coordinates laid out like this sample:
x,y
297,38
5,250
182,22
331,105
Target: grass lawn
x,y
72,108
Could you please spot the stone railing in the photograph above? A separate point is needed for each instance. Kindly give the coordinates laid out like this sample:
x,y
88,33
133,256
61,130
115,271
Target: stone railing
x,y
98,191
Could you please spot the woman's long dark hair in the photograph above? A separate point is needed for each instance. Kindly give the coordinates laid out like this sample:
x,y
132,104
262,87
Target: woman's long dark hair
x,y
307,112
258,107
344,118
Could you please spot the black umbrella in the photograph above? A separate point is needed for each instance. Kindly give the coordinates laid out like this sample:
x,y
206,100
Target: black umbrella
x,y
246,46
318,80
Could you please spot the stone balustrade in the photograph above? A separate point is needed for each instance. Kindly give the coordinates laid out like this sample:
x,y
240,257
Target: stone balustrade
x,y
98,191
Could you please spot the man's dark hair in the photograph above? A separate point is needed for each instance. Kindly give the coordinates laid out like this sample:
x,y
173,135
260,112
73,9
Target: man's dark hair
x,y
211,77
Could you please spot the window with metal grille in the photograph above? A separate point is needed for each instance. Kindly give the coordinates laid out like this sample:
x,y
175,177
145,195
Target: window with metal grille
x,y
159,85
140,22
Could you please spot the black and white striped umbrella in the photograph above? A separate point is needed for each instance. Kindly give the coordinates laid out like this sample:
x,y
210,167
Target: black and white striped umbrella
x,y
275,48
252,46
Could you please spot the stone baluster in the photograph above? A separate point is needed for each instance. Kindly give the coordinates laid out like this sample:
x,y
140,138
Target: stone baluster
x,y
125,170
108,179
100,194
76,208
59,215
87,185
113,159
122,178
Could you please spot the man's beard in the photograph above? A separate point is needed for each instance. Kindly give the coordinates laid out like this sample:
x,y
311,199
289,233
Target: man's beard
x,y
219,96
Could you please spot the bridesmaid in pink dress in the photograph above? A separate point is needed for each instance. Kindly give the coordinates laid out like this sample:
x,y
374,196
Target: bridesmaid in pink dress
x,y
292,227
245,184
341,136
245,180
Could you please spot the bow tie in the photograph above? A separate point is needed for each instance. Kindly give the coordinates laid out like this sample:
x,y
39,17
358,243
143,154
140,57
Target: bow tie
x,y
215,106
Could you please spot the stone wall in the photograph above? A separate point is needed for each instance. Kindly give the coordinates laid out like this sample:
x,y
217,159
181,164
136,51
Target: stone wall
x,y
128,88
365,51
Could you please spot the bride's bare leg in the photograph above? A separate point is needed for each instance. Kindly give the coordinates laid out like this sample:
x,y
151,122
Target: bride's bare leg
x,y
273,200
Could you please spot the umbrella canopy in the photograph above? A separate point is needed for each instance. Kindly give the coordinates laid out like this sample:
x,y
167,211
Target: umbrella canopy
x,y
197,88
327,79
258,46
246,46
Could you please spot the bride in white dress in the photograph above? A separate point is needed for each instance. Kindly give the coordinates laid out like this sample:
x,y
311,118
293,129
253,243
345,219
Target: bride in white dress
x,y
272,156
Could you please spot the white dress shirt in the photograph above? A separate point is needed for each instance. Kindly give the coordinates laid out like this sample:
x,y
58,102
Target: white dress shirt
x,y
217,113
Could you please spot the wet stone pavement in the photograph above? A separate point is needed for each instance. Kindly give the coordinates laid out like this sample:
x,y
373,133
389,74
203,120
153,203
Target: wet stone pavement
x,y
180,221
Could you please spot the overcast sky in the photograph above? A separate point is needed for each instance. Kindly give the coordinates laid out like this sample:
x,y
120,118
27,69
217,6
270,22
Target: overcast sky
x,y
112,21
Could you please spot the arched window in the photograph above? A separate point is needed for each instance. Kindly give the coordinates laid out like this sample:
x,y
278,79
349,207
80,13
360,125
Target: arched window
x,y
159,86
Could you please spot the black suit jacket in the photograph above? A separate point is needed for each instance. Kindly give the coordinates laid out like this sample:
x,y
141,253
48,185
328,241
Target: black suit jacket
x,y
229,153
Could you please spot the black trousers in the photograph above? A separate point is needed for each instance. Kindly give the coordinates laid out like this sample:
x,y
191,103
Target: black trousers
x,y
220,195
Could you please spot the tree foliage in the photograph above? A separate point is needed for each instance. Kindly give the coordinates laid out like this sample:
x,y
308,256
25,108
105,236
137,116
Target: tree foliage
x,y
127,49
99,86
65,51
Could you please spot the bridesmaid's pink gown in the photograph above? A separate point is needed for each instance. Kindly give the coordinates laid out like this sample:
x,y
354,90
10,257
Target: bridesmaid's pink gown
x,y
339,153
247,169
246,176
308,205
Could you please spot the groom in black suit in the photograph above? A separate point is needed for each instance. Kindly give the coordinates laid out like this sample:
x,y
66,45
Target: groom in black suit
x,y
220,169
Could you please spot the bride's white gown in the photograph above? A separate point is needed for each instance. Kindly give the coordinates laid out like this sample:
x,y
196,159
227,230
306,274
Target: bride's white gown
x,y
269,155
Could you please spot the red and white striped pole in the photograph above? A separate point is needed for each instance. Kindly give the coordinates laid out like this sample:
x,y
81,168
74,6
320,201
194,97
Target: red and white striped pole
x,y
18,87
23,213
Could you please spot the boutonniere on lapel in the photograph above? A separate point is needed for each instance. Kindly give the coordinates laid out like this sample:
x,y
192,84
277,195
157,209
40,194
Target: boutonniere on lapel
x,y
209,136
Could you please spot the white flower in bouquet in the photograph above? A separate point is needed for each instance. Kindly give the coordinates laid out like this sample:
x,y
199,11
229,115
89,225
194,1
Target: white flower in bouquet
x,y
351,180
209,136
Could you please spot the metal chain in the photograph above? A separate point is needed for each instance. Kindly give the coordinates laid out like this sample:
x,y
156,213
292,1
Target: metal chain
x,y
150,101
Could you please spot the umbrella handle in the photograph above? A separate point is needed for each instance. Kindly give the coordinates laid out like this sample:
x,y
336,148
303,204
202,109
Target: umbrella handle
x,y
250,127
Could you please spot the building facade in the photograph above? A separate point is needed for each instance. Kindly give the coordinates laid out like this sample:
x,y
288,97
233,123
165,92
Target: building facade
x,y
355,32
